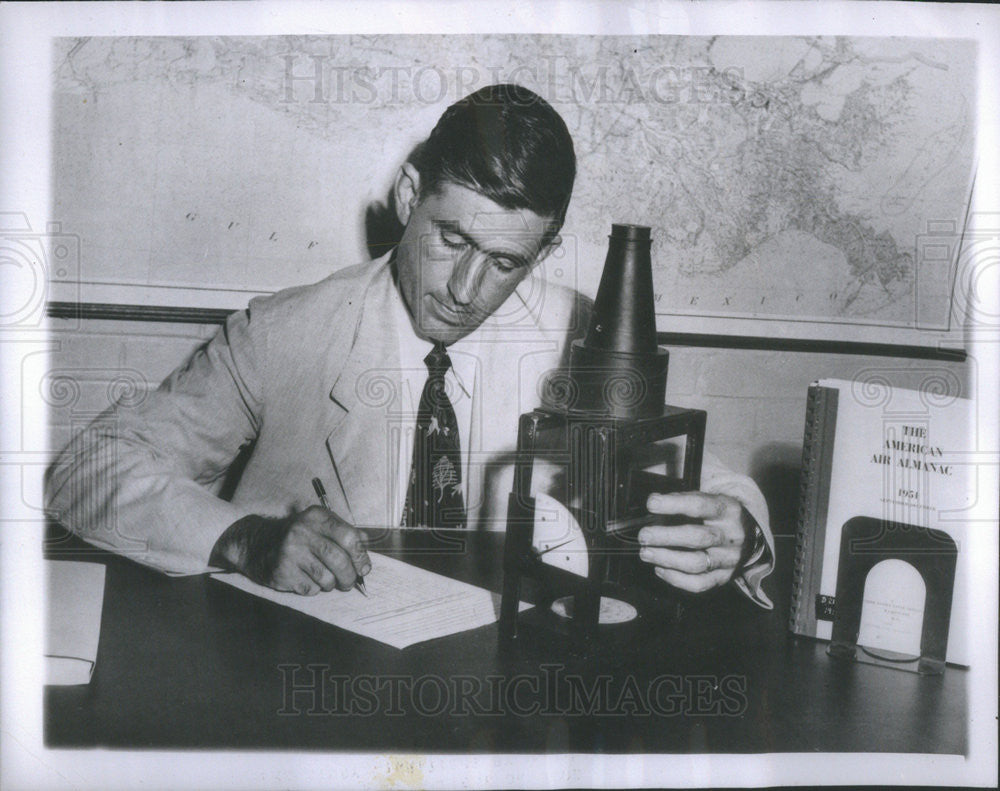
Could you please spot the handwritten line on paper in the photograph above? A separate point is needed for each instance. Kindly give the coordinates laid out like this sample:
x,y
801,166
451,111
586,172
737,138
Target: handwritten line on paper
x,y
405,604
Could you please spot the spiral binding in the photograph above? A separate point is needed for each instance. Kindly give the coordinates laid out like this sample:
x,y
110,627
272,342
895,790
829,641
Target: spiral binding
x,y
806,515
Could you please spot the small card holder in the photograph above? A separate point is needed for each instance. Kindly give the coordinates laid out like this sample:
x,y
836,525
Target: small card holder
x,y
894,591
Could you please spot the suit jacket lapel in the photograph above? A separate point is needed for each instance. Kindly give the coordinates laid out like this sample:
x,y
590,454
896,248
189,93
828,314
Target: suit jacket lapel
x,y
364,401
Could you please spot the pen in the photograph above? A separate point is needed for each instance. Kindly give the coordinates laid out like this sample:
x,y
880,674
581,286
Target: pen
x,y
359,583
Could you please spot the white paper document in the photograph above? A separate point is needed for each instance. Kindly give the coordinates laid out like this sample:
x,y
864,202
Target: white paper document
x,y
75,600
404,605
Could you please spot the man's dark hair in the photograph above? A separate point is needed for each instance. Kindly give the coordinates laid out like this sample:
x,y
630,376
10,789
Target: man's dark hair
x,y
504,142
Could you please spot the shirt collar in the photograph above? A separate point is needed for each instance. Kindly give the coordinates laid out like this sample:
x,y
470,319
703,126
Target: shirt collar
x,y
413,349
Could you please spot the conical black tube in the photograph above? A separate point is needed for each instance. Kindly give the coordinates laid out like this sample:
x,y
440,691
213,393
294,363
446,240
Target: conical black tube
x,y
623,319
618,370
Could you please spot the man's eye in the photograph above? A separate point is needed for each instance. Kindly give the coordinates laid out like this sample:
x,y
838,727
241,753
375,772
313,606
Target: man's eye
x,y
453,241
505,266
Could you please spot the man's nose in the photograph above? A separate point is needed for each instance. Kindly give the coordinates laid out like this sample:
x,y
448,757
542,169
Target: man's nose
x,y
466,276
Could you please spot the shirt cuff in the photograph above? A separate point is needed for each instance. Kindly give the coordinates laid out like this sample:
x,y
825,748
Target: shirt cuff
x,y
758,565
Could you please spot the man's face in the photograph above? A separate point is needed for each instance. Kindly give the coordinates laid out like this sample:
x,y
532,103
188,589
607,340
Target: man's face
x,y
461,256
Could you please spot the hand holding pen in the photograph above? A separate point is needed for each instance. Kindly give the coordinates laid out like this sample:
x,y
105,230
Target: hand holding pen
x,y
306,552
359,583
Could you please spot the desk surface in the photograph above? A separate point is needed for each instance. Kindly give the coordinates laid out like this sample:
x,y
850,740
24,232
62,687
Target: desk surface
x,y
190,662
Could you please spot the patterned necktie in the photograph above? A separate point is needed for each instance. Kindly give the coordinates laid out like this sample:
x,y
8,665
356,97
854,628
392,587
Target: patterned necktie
x,y
434,493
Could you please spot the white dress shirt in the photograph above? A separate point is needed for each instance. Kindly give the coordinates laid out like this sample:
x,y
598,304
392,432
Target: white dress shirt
x,y
460,383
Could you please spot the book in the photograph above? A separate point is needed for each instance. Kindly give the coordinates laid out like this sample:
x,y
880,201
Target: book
x,y
887,488
75,600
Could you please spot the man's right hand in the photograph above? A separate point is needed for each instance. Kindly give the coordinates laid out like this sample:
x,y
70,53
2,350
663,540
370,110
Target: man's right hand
x,y
307,552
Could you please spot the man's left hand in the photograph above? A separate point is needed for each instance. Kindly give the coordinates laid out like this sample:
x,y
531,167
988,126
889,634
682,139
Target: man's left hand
x,y
695,556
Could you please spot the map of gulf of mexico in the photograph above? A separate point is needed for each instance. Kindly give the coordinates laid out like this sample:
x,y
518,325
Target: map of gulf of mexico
x,y
786,179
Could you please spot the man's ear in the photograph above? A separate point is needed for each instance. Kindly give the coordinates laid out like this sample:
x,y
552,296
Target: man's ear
x,y
406,191
551,245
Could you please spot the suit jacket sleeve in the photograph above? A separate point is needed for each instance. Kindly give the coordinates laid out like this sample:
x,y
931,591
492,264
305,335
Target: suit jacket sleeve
x,y
716,479
139,481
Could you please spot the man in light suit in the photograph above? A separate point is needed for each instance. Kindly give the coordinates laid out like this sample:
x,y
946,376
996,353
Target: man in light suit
x,y
324,381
